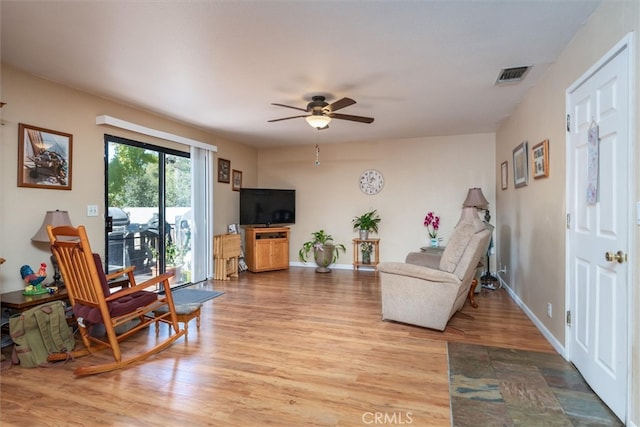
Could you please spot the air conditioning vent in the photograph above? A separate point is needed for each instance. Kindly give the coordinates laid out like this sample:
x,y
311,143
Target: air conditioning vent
x,y
513,74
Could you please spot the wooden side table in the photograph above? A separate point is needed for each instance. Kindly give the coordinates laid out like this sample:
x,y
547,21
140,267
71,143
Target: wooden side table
x,y
19,302
436,250
357,262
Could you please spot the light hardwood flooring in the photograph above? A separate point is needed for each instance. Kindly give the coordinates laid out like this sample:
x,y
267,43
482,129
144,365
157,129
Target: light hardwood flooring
x,y
285,348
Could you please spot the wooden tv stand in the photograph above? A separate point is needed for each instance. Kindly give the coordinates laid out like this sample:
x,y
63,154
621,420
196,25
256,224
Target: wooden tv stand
x,y
267,248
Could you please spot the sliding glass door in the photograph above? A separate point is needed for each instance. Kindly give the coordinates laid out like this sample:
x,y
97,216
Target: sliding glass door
x,y
148,199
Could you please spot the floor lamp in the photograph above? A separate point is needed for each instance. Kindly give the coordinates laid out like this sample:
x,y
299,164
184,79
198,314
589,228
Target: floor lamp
x,y
475,199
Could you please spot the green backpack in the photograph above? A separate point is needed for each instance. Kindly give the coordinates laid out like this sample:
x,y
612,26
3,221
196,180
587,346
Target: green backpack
x,y
39,332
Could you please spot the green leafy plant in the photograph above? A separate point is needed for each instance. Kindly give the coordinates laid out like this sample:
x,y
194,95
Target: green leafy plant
x,y
317,243
173,255
367,221
366,247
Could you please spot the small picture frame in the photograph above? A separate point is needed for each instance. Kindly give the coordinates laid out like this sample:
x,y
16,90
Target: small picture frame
x,y
504,174
540,159
236,182
521,165
44,158
224,171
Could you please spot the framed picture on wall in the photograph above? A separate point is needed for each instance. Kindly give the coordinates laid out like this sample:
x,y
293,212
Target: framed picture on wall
x,y
44,158
540,160
504,174
236,181
224,171
521,165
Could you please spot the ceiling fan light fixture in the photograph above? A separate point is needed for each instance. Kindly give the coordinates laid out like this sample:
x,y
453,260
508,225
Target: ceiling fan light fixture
x,y
318,121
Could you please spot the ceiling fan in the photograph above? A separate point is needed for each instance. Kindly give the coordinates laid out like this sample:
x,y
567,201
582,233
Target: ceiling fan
x,y
322,112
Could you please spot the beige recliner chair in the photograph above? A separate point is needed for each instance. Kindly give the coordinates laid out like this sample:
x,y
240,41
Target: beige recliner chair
x,y
427,290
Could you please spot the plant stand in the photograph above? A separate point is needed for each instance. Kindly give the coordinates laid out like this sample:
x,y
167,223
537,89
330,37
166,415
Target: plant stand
x,y
357,253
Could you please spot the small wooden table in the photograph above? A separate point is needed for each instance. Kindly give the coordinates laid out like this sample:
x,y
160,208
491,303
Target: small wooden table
x,y
16,300
357,252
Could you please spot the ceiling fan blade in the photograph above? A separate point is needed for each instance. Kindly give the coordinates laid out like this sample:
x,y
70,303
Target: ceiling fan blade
x,y
340,103
352,118
287,118
288,106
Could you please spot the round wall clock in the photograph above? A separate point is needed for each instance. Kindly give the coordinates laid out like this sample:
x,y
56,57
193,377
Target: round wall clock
x,y
371,182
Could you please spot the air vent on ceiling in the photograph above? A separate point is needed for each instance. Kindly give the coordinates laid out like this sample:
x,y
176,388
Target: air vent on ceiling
x,y
512,75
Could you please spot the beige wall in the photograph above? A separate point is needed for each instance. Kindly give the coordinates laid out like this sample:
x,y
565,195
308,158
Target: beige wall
x,y
418,172
44,104
531,220
421,175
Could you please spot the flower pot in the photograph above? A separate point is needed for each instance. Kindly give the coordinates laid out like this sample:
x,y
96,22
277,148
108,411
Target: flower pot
x,y
176,270
324,257
364,234
434,242
366,257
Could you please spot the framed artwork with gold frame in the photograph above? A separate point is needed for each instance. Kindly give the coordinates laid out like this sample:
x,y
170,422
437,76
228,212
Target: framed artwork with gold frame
x,y
44,158
540,159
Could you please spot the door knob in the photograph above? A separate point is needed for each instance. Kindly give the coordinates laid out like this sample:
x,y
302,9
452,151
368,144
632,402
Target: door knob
x,y
618,256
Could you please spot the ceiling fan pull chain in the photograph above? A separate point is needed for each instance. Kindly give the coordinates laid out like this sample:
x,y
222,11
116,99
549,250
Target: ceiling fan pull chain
x,y
317,155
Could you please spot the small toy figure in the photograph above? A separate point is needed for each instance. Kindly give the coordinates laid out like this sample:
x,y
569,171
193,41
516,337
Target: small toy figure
x,y
31,278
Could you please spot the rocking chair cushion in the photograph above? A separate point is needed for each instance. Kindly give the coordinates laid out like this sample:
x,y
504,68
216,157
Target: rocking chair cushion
x,y
118,307
103,278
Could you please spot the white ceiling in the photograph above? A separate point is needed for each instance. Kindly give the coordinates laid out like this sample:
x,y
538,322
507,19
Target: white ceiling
x,y
420,68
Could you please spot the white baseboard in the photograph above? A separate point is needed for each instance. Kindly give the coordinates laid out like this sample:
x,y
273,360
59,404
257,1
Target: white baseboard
x,y
332,266
545,332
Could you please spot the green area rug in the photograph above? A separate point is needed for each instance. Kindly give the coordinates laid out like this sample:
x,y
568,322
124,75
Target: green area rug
x,y
502,387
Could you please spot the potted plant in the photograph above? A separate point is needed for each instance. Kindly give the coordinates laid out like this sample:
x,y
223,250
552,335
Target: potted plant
x,y
173,260
432,223
366,222
325,251
366,248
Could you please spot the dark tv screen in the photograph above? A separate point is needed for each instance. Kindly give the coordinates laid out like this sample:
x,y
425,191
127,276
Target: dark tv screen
x,y
265,206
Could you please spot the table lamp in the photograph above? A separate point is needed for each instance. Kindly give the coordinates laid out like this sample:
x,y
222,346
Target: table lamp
x,y
475,199
54,218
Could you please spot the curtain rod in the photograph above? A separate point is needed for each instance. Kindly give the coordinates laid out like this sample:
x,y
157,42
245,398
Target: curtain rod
x,y
122,124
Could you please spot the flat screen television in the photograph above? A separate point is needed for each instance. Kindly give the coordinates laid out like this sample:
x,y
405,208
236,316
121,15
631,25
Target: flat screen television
x,y
267,206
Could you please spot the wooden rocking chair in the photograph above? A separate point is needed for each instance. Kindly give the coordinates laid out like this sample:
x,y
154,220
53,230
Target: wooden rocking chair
x,y
94,304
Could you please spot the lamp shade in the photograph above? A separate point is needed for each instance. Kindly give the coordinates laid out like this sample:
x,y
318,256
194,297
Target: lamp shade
x,y
318,121
475,199
54,218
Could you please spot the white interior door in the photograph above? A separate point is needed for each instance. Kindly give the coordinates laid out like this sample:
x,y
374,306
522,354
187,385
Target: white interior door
x,y
598,289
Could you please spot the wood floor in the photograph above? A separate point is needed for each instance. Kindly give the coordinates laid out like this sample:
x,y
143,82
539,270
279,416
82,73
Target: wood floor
x,y
287,348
